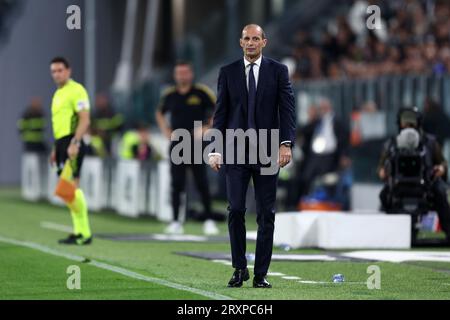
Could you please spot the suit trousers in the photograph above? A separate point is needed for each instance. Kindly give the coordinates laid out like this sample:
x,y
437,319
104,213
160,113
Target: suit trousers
x,y
237,180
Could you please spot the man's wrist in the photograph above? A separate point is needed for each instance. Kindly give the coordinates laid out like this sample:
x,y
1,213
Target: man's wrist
x,y
286,144
76,142
212,154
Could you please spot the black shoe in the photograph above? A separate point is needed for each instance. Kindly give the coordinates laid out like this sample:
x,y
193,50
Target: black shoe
x,y
71,239
261,282
238,278
83,241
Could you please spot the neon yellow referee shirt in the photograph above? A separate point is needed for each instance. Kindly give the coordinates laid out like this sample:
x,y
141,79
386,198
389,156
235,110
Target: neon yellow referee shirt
x,y
67,102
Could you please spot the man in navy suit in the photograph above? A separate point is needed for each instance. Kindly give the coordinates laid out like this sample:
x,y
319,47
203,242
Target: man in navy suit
x,y
253,93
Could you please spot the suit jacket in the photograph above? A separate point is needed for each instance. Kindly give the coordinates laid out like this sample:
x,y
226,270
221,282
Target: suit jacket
x,y
275,102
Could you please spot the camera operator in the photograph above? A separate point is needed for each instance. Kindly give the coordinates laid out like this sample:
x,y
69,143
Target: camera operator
x,y
411,135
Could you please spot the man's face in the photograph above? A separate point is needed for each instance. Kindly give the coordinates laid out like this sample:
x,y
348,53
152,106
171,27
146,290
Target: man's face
x,y
101,102
60,73
252,42
36,104
183,75
325,107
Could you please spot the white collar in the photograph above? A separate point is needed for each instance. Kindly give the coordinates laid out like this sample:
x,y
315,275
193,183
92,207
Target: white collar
x,y
257,62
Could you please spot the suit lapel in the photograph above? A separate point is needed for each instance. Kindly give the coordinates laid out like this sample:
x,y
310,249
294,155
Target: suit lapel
x,y
243,87
261,81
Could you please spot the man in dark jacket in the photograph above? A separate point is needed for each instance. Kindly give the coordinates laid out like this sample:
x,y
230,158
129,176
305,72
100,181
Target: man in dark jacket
x,y
325,147
435,161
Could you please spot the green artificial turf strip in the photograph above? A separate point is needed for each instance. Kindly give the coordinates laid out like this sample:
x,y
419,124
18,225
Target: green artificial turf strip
x,y
28,274
21,220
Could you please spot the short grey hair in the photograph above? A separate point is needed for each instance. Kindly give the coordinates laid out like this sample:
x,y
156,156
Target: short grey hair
x,y
253,25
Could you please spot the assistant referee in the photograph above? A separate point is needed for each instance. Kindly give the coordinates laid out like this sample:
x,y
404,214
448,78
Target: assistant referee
x,y
70,121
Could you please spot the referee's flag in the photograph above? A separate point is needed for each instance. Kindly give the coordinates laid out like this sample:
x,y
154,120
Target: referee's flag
x,y
65,189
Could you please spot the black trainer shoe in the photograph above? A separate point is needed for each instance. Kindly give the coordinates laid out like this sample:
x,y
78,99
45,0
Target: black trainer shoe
x,y
238,278
71,239
84,241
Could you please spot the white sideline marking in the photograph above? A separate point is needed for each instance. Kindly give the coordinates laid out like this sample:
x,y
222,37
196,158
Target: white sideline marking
x,y
399,256
273,274
180,237
56,226
251,235
115,269
325,282
304,257
225,262
313,282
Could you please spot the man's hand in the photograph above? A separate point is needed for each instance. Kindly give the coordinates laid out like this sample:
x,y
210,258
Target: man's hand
x,y
168,133
73,151
439,170
199,132
163,125
382,174
52,158
345,162
215,162
285,156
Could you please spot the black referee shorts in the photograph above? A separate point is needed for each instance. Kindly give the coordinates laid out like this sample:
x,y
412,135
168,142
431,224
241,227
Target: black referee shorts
x,y
61,146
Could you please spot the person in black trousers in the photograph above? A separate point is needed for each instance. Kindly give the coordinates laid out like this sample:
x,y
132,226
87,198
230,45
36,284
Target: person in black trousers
x,y
187,102
254,93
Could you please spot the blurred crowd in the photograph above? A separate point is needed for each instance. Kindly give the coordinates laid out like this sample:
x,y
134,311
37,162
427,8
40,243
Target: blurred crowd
x,y
413,37
333,152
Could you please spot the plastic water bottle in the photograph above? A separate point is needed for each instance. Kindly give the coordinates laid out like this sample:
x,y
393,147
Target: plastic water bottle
x,y
338,278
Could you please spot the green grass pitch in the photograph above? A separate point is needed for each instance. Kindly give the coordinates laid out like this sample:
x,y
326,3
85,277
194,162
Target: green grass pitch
x,y
27,271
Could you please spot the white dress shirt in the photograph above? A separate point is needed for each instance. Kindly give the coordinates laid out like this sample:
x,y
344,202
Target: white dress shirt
x,y
324,139
255,70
